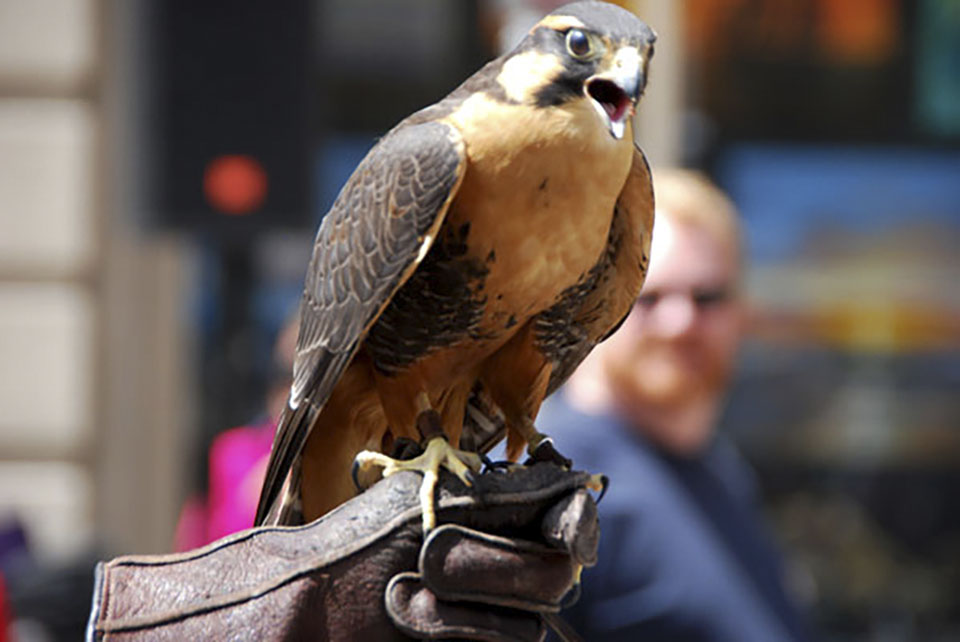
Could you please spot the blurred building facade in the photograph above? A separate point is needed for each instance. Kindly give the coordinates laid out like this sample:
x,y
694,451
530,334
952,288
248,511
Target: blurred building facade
x,y
82,298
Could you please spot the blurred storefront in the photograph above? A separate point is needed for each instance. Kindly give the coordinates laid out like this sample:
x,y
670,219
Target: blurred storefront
x,y
835,127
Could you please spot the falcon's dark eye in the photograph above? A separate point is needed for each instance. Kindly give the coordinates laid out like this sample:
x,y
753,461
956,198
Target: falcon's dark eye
x,y
578,43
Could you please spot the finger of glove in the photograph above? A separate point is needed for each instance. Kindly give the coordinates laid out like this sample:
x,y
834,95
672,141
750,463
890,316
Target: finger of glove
x,y
417,612
458,563
571,525
510,504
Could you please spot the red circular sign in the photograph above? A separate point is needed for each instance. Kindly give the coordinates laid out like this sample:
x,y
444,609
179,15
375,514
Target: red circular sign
x,y
235,184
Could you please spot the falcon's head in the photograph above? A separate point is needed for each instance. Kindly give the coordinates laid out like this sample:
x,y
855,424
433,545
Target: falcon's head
x,y
591,51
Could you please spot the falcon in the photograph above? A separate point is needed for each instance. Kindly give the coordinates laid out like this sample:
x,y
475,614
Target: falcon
x,y
476,255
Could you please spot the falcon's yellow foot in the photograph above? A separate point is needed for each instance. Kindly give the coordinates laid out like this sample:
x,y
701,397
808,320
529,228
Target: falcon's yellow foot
x,y
598,483
438,454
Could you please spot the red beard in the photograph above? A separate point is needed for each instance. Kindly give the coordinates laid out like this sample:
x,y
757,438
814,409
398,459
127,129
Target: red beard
x,y
666,373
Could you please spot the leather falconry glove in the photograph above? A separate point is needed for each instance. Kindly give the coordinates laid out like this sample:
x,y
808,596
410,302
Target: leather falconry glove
x,y
503,556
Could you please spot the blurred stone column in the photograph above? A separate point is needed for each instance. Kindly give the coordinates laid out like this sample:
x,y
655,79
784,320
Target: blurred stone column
x,y
143,452
661,114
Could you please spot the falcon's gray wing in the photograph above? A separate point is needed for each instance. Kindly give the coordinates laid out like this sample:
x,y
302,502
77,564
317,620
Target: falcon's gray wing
x,y
369,243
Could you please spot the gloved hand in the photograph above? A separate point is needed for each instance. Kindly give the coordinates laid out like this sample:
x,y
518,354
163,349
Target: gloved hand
x,y
505,552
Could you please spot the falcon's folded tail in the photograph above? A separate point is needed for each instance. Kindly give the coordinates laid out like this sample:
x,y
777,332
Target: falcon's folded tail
x,y
280,498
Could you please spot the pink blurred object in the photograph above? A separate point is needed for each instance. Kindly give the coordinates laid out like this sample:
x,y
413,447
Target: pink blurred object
x,y
238,462
5,619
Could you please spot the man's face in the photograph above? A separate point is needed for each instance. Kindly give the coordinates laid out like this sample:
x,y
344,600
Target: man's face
x,y
679,344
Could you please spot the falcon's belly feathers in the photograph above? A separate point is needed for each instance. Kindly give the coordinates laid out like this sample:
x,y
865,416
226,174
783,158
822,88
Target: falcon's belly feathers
x,y
478,252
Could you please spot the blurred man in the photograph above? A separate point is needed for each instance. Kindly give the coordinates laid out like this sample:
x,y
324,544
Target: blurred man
x,y
683,554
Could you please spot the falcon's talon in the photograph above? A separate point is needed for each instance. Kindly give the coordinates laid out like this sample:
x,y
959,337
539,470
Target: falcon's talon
x,y
598,483
354,474
367,459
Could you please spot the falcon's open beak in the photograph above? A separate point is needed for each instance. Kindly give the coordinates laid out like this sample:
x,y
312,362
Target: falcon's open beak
x,y
615,93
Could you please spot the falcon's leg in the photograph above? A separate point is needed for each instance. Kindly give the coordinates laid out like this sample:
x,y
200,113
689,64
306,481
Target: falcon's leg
x,y
540,446
438,454
541,449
